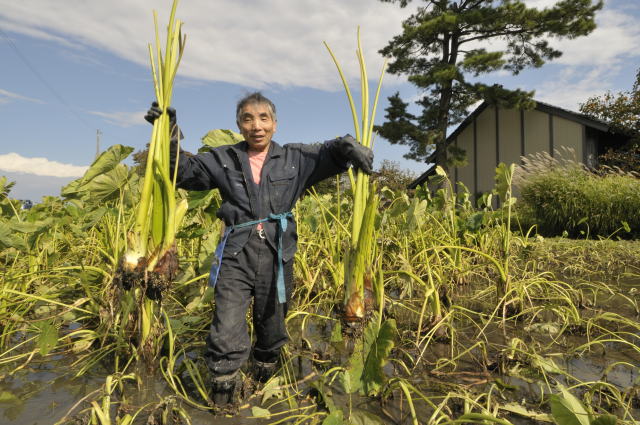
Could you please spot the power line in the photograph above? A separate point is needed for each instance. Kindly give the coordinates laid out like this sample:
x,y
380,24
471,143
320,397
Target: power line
x,y
42,80
53,91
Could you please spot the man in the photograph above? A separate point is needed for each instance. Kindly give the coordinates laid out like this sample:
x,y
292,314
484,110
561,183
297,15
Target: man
x,y
259,181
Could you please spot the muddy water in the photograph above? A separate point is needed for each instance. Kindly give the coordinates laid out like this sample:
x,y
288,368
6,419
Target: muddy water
x,y
44,393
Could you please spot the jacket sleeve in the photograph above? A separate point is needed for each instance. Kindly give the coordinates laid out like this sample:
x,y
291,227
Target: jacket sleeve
x,y
322,161
195,172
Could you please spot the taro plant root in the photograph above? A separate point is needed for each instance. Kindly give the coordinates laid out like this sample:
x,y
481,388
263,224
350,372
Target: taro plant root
x,y
151,260
359,257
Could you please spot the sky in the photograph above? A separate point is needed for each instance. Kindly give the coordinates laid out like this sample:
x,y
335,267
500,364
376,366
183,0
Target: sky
x,y
73,68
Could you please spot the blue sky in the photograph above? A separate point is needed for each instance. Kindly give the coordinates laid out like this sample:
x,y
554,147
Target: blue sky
x,y
73,67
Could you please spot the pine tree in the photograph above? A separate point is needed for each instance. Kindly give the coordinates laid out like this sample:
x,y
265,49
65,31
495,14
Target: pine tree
x,y
445,42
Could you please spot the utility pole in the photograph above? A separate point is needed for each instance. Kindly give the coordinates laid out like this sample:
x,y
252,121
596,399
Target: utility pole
x,y
98,134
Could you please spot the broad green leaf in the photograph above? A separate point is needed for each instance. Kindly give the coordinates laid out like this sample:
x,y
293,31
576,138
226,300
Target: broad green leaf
x,y
93,217
8,239
335,418
5,186
8,397
82,345
400,206
546,364
207,252
387,193
435,180
31,227
605,420
352,376
481,418
272,389
107,186
323,399
177,326
474,221
415,214
361,417
201,198
71,189
107,161
336,333
259,412
504,177
567,409
547,328
378,345
48,337
219,137
207,297
519,409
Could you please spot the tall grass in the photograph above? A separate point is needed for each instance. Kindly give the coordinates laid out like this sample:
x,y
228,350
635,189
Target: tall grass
x,y
561,196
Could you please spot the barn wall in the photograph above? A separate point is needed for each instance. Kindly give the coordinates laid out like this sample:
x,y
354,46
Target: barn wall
x,y
486,145
510,137
536,132
466,173
569,134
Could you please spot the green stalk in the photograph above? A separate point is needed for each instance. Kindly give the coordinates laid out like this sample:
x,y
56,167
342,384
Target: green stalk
x,y
354,114
158,216
358,258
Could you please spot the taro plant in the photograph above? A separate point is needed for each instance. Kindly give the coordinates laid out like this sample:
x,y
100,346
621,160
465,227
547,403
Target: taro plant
x,y
151,260
504,188
358,258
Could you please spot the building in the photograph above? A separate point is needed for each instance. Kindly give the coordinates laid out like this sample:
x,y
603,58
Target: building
x,y
491,135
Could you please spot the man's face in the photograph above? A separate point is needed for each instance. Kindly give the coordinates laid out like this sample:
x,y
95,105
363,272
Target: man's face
x,y
257,126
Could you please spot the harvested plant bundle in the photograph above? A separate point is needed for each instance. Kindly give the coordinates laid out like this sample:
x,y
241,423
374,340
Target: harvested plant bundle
x,y
152,241
151,260
359,256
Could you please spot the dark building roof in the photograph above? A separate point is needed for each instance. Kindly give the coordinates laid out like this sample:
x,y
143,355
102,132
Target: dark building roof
x,y
540,106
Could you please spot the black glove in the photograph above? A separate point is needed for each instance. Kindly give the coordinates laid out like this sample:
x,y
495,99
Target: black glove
x,y
154,113
360,156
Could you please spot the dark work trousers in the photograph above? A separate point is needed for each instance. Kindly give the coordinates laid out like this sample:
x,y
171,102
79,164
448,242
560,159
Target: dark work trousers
x,y
250,274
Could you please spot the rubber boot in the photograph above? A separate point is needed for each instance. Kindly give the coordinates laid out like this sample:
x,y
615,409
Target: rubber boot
x,y
222,389
263,371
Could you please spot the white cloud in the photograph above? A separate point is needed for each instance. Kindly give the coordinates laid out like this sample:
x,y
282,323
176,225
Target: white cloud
x,y
122,119
252,43
258,43
36,33
7,96
13,162
573,86
540,4
613,41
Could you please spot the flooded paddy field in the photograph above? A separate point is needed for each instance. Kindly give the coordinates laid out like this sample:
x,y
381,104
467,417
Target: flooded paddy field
x,y
503,367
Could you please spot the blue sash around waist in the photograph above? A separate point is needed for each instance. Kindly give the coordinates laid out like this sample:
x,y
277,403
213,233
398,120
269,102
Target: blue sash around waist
x,y
281,220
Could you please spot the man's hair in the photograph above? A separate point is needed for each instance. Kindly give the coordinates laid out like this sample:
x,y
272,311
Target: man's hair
x,y
258,98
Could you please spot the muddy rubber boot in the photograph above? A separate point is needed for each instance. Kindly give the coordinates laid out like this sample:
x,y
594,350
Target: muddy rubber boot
x,y
222,389
263,371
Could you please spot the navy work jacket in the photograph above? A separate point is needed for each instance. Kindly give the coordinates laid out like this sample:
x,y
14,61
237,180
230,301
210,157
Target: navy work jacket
x,y
287,172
